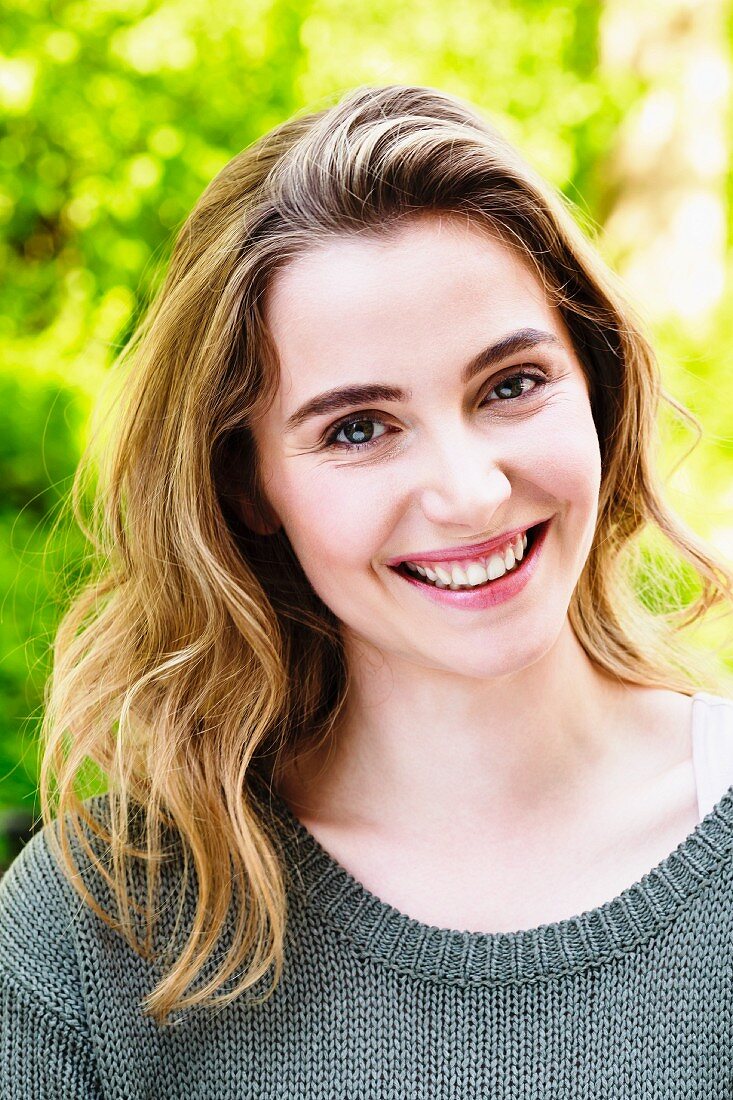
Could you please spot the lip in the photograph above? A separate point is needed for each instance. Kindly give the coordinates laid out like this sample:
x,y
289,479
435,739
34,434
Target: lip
x,y
460,553
498,591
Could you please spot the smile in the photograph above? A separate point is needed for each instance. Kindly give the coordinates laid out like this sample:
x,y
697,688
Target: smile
x,y
471,572
482,582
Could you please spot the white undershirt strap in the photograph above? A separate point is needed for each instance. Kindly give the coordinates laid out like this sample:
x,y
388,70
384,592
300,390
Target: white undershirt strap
x,y
712,748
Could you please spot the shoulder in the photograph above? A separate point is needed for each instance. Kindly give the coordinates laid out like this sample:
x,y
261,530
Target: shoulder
x,y
39,916
46,1044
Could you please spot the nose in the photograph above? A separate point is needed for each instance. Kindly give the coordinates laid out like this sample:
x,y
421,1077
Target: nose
x,y
464,484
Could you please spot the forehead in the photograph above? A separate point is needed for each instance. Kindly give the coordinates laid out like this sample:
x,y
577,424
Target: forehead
x,y
434,291
427,261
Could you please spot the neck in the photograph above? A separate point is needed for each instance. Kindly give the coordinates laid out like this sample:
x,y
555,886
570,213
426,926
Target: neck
x,y
418,745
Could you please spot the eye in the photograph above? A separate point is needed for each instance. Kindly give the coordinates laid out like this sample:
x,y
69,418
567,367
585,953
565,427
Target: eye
x,y
510,383
365,434
362,420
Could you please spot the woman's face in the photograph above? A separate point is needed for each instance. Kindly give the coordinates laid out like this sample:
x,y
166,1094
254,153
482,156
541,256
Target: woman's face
x,y
456,461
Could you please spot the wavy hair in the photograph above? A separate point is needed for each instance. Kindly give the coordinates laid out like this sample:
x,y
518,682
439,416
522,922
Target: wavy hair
x,y
194,662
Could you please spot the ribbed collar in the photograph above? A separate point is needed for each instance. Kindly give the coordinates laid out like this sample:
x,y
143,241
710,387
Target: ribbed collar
x,y
381,932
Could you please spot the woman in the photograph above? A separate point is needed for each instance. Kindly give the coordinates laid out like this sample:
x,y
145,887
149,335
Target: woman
x,y
411,794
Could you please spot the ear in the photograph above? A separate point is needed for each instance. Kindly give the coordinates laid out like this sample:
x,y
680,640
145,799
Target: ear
x,y
261,522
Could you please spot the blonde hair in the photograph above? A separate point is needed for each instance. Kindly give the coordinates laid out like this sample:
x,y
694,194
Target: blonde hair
x,y
196,661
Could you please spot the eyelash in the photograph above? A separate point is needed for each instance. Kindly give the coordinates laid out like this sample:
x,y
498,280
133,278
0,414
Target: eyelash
x,y
330,443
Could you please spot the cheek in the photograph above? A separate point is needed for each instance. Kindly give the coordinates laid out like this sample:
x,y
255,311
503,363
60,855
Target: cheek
x,y
333,520
565,454
571,472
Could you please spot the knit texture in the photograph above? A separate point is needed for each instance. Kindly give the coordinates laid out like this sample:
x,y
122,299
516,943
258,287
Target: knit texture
x,y
633,999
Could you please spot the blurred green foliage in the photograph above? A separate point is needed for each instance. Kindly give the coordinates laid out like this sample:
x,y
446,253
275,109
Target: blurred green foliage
x,y
117,113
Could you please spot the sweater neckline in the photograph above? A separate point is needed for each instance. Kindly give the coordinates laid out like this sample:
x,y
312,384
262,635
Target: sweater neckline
x,y
379,931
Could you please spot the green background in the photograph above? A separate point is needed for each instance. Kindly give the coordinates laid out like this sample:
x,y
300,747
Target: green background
x,y
116,115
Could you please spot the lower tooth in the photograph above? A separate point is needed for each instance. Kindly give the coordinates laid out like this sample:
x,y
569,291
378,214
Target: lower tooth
x,y
461,587
464,587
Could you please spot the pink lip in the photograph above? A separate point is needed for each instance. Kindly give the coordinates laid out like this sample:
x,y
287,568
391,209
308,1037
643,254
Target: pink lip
x,y
493,594
460,553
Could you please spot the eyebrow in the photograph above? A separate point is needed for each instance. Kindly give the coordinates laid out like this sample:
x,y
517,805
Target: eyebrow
x,y
372,392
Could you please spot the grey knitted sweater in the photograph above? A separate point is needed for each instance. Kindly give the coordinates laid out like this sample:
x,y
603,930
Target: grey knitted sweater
x,y
631,1000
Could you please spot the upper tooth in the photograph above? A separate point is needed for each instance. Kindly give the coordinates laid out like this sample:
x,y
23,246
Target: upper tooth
x,y
494,565
459,574
475,574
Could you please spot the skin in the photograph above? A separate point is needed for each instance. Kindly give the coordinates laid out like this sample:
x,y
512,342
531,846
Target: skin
x,y
465,731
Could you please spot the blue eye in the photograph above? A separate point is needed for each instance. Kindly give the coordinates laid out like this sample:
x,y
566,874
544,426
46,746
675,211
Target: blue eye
x,y
366,438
